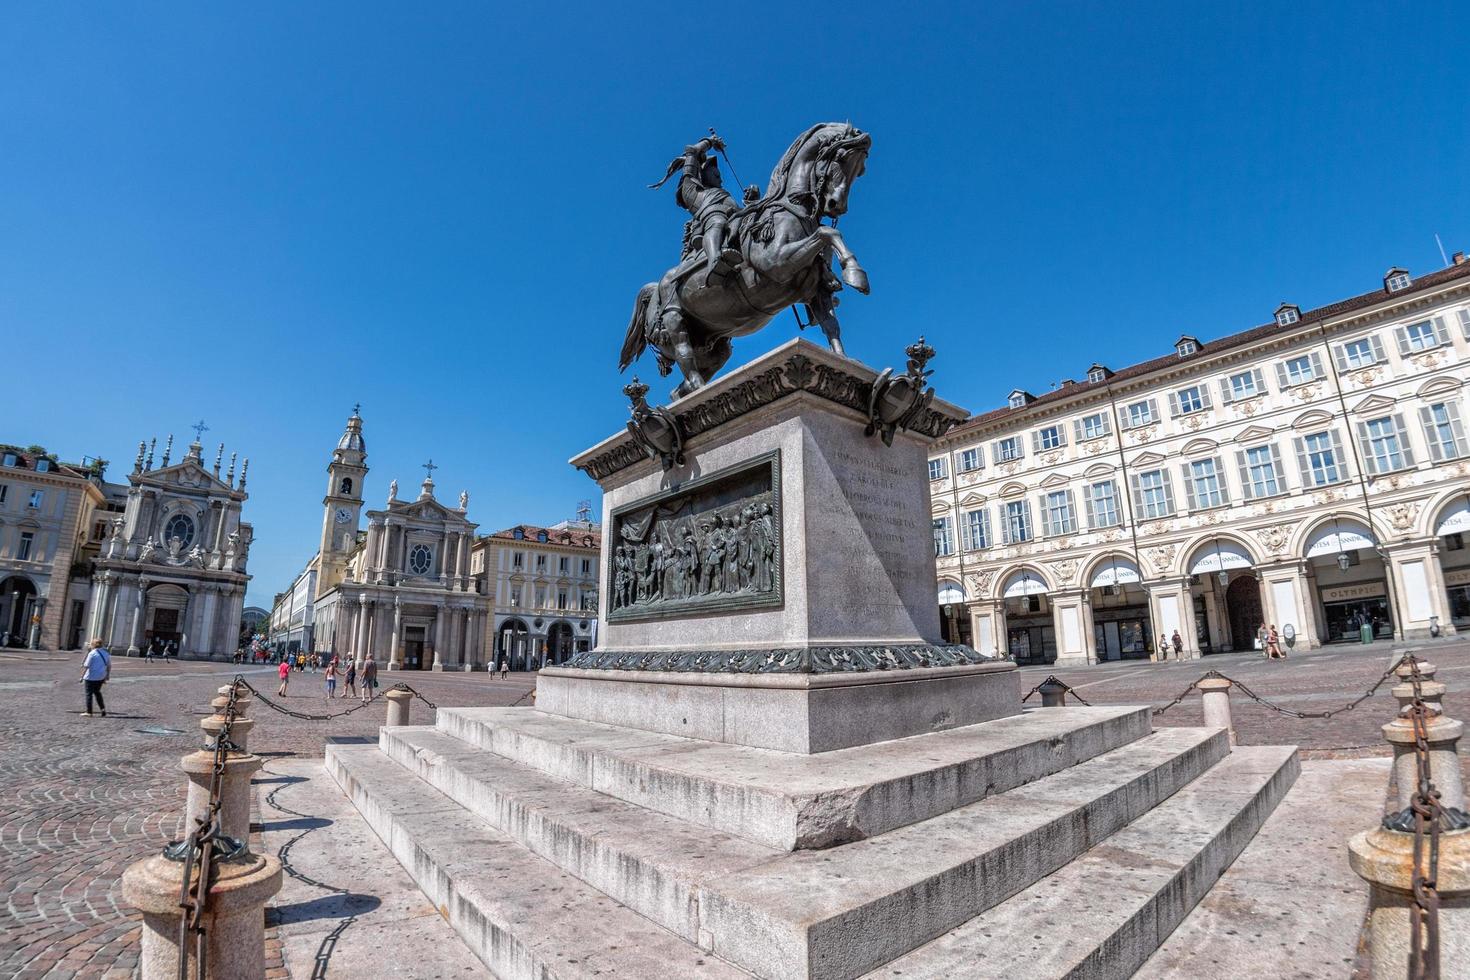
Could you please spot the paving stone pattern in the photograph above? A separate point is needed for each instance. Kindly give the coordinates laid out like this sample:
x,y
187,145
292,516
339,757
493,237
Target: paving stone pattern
x,y
83,798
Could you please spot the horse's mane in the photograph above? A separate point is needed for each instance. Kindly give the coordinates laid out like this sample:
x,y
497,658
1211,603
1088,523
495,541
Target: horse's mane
x,y
842,137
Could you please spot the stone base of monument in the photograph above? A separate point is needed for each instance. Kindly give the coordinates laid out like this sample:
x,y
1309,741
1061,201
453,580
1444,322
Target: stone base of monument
x,y
772,765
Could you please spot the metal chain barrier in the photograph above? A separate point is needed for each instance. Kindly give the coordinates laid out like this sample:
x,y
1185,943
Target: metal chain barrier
x,y
1429,817
1290,712
1054,681
199,850
308,716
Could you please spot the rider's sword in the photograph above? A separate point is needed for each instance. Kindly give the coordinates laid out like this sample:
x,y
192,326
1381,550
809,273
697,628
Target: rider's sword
x,y
722,153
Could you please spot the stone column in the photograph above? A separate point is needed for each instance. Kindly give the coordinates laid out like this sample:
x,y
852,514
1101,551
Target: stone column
x,y
439,615
1285,595
444,556
97,604
1412,576
359,650
395,652
134,647
206,629
1067,615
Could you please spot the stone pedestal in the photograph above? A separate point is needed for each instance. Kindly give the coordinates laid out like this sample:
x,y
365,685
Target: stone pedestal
x,y
234,925
398,705
776,586
234,791
1385,859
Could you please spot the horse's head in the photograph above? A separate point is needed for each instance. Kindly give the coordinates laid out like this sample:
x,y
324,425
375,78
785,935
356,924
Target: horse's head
x,y
822,162
840,162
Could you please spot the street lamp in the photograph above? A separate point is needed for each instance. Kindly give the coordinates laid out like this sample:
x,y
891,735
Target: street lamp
x,y
1343,561
1223,576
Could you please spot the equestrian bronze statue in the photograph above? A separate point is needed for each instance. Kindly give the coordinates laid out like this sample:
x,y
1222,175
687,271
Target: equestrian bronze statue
x,y
744,262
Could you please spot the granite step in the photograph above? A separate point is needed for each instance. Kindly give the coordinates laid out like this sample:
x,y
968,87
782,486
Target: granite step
x,y
521,915
1105,913
791,801
814,913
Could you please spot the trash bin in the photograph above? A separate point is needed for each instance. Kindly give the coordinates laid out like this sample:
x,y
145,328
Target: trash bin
x,y
1366,632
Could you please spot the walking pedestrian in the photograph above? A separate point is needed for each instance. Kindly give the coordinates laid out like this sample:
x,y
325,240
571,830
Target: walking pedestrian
x,y
1261,633
331,676
1178,643
369,679
284,670
349,686
1273,644
148,652
504,669
96,671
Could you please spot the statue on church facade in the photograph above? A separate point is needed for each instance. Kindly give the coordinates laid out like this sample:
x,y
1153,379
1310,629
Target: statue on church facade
x,y
392,491
464,500
743,265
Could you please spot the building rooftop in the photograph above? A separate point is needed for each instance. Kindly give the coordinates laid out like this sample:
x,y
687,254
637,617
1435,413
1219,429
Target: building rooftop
x,y
1460,270
587,539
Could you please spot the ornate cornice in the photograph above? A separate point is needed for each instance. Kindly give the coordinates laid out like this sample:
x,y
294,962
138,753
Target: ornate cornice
x,y
798,373
786,660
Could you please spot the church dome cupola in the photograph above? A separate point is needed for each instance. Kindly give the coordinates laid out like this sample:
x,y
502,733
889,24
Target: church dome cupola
x,y
352,437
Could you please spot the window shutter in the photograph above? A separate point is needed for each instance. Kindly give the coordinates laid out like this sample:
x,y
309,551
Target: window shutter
x,y
1168,491
1426,419
1173,404
1260,381
1087,506
1279,470
1153,408
1441,331
1282,380
1365,447
1337,455
1465,323
1302,466
1204,396
1045,518
1339,353
1061,435
1071,510
1077,429
1246,493
1036,441
1457,426
1123,418
1404,447
1226,395
1378,357
1403,336
1317,370
1107,424
1137,492
1188,486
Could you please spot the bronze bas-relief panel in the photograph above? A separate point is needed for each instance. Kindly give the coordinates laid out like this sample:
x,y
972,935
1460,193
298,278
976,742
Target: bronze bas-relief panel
x,y
711,545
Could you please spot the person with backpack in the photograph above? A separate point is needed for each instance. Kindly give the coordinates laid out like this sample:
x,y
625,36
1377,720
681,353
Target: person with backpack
x,y
96,671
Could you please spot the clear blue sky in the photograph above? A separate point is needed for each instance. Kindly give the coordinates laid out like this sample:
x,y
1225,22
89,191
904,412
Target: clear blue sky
x,y
261,214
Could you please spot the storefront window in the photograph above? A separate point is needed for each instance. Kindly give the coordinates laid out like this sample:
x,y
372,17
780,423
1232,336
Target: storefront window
x,y
1345,619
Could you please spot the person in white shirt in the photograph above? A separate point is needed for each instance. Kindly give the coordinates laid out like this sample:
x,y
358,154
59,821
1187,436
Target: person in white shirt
x,y
96,670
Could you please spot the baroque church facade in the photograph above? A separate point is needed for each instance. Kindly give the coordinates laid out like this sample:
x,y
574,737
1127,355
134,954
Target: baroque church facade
x,y
399,590
170,567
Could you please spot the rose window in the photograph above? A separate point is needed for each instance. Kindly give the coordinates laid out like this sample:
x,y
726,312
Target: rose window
x,y
420,559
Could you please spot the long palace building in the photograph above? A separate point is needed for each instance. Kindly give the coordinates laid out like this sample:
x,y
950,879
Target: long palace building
x,y
1312,473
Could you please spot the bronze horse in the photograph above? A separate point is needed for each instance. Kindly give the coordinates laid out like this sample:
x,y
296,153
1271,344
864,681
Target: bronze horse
x,y
786,258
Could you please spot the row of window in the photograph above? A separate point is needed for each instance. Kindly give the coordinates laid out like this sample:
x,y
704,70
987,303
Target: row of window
x,y
563,563
34,502
1351,355
585,600
1321,462
42,465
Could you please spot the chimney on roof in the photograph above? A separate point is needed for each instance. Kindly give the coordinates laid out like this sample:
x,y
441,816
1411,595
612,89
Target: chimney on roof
x,y
1458,258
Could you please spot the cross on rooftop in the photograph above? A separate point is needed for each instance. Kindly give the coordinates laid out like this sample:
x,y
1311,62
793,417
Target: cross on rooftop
x,y
429,468
199,429
356,409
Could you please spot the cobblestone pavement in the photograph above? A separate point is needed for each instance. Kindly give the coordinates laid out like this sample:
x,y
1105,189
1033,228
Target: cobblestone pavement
x,y
83,798
1315,680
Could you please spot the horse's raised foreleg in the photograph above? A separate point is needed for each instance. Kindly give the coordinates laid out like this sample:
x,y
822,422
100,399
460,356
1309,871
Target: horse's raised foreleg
x,y
676,336
792,257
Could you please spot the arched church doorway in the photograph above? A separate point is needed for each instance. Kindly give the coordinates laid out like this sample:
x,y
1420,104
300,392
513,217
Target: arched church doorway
x,y
559,642
17,603
163,616
1243,610
512,644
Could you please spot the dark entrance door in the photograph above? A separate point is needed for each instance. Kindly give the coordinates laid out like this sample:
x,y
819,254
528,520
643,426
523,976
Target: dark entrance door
x,y
413,648
1243,607
17,599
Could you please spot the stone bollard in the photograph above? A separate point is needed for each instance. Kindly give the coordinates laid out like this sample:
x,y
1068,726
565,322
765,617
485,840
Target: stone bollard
x,y
398,704
1215,692
239,731
234,922
234,816
1385,858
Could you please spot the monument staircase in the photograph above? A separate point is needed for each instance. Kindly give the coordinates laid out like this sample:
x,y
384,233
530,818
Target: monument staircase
x,y
1058,842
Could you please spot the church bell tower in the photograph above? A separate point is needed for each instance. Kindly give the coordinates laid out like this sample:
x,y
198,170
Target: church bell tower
x,y
342,504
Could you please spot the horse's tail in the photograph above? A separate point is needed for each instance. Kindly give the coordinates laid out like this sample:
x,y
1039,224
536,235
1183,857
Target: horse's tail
x,y
636,340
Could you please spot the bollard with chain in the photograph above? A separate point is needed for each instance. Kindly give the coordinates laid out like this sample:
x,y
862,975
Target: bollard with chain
x,y
1215,695
398,704
1053,693
1417,862
203,899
